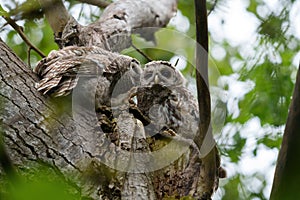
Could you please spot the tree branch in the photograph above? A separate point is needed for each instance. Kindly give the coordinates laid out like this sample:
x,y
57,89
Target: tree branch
x,y
213,7
204,138
20,31
56,14
202,67
287,177
37,132
112,31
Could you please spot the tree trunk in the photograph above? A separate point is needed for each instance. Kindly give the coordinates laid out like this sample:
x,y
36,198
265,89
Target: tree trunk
x,y
44,131
286,183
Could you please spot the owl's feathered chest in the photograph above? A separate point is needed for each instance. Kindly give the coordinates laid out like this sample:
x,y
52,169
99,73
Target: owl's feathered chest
x,y
165,107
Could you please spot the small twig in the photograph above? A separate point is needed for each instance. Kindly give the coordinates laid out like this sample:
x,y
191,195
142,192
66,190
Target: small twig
x,y
2,27
20,31
176,62
142,53
81,10
212,8
99,3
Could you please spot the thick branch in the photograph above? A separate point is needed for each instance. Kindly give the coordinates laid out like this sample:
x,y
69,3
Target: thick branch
x,y
119,20
204,139
25,112
36,131
56,14
287,177
202,68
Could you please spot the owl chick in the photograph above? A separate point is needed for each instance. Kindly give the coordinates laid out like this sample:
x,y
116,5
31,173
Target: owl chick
x,y
61,70
164,99
162,73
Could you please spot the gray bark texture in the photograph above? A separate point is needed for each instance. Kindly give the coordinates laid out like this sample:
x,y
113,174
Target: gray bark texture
x,y
38,130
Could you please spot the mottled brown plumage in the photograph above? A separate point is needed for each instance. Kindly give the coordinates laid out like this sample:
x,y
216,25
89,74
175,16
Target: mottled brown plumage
x,y
171,110
165,100
110,73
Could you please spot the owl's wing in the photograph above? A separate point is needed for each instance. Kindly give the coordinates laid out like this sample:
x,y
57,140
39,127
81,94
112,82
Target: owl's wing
x,y
175,108
60,69
187,106
59,77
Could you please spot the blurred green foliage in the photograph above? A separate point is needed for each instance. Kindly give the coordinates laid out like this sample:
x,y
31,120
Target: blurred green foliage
x,y
270,68
36,183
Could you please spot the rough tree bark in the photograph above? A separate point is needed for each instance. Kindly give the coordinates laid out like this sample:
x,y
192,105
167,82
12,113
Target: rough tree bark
x,y
36,131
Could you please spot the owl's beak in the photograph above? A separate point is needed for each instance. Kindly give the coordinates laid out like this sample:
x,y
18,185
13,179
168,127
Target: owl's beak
x,y
156,79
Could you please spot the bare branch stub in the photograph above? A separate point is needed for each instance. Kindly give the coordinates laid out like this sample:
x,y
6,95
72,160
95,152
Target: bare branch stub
x,y
56,14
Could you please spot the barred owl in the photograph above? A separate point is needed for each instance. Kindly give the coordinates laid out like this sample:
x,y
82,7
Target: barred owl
x,y
162,73
60,71
166,102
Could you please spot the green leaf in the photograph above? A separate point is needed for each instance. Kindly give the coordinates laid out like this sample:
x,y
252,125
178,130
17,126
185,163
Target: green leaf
x,y
3,12
235,151
231,189
36,184
270,142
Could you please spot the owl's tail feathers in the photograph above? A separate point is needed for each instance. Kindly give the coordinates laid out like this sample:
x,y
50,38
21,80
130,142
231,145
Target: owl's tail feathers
x,y
57,86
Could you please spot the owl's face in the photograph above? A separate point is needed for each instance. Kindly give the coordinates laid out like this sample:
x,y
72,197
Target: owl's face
x,y
162,73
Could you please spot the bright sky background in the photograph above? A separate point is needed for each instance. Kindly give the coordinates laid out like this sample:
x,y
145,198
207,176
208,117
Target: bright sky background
x,y
239,29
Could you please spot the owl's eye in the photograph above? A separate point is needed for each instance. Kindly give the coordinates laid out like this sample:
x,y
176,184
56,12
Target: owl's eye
x,y
135,68
148,75
166,73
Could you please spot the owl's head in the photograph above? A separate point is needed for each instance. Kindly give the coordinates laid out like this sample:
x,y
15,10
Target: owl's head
x,y
162,73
